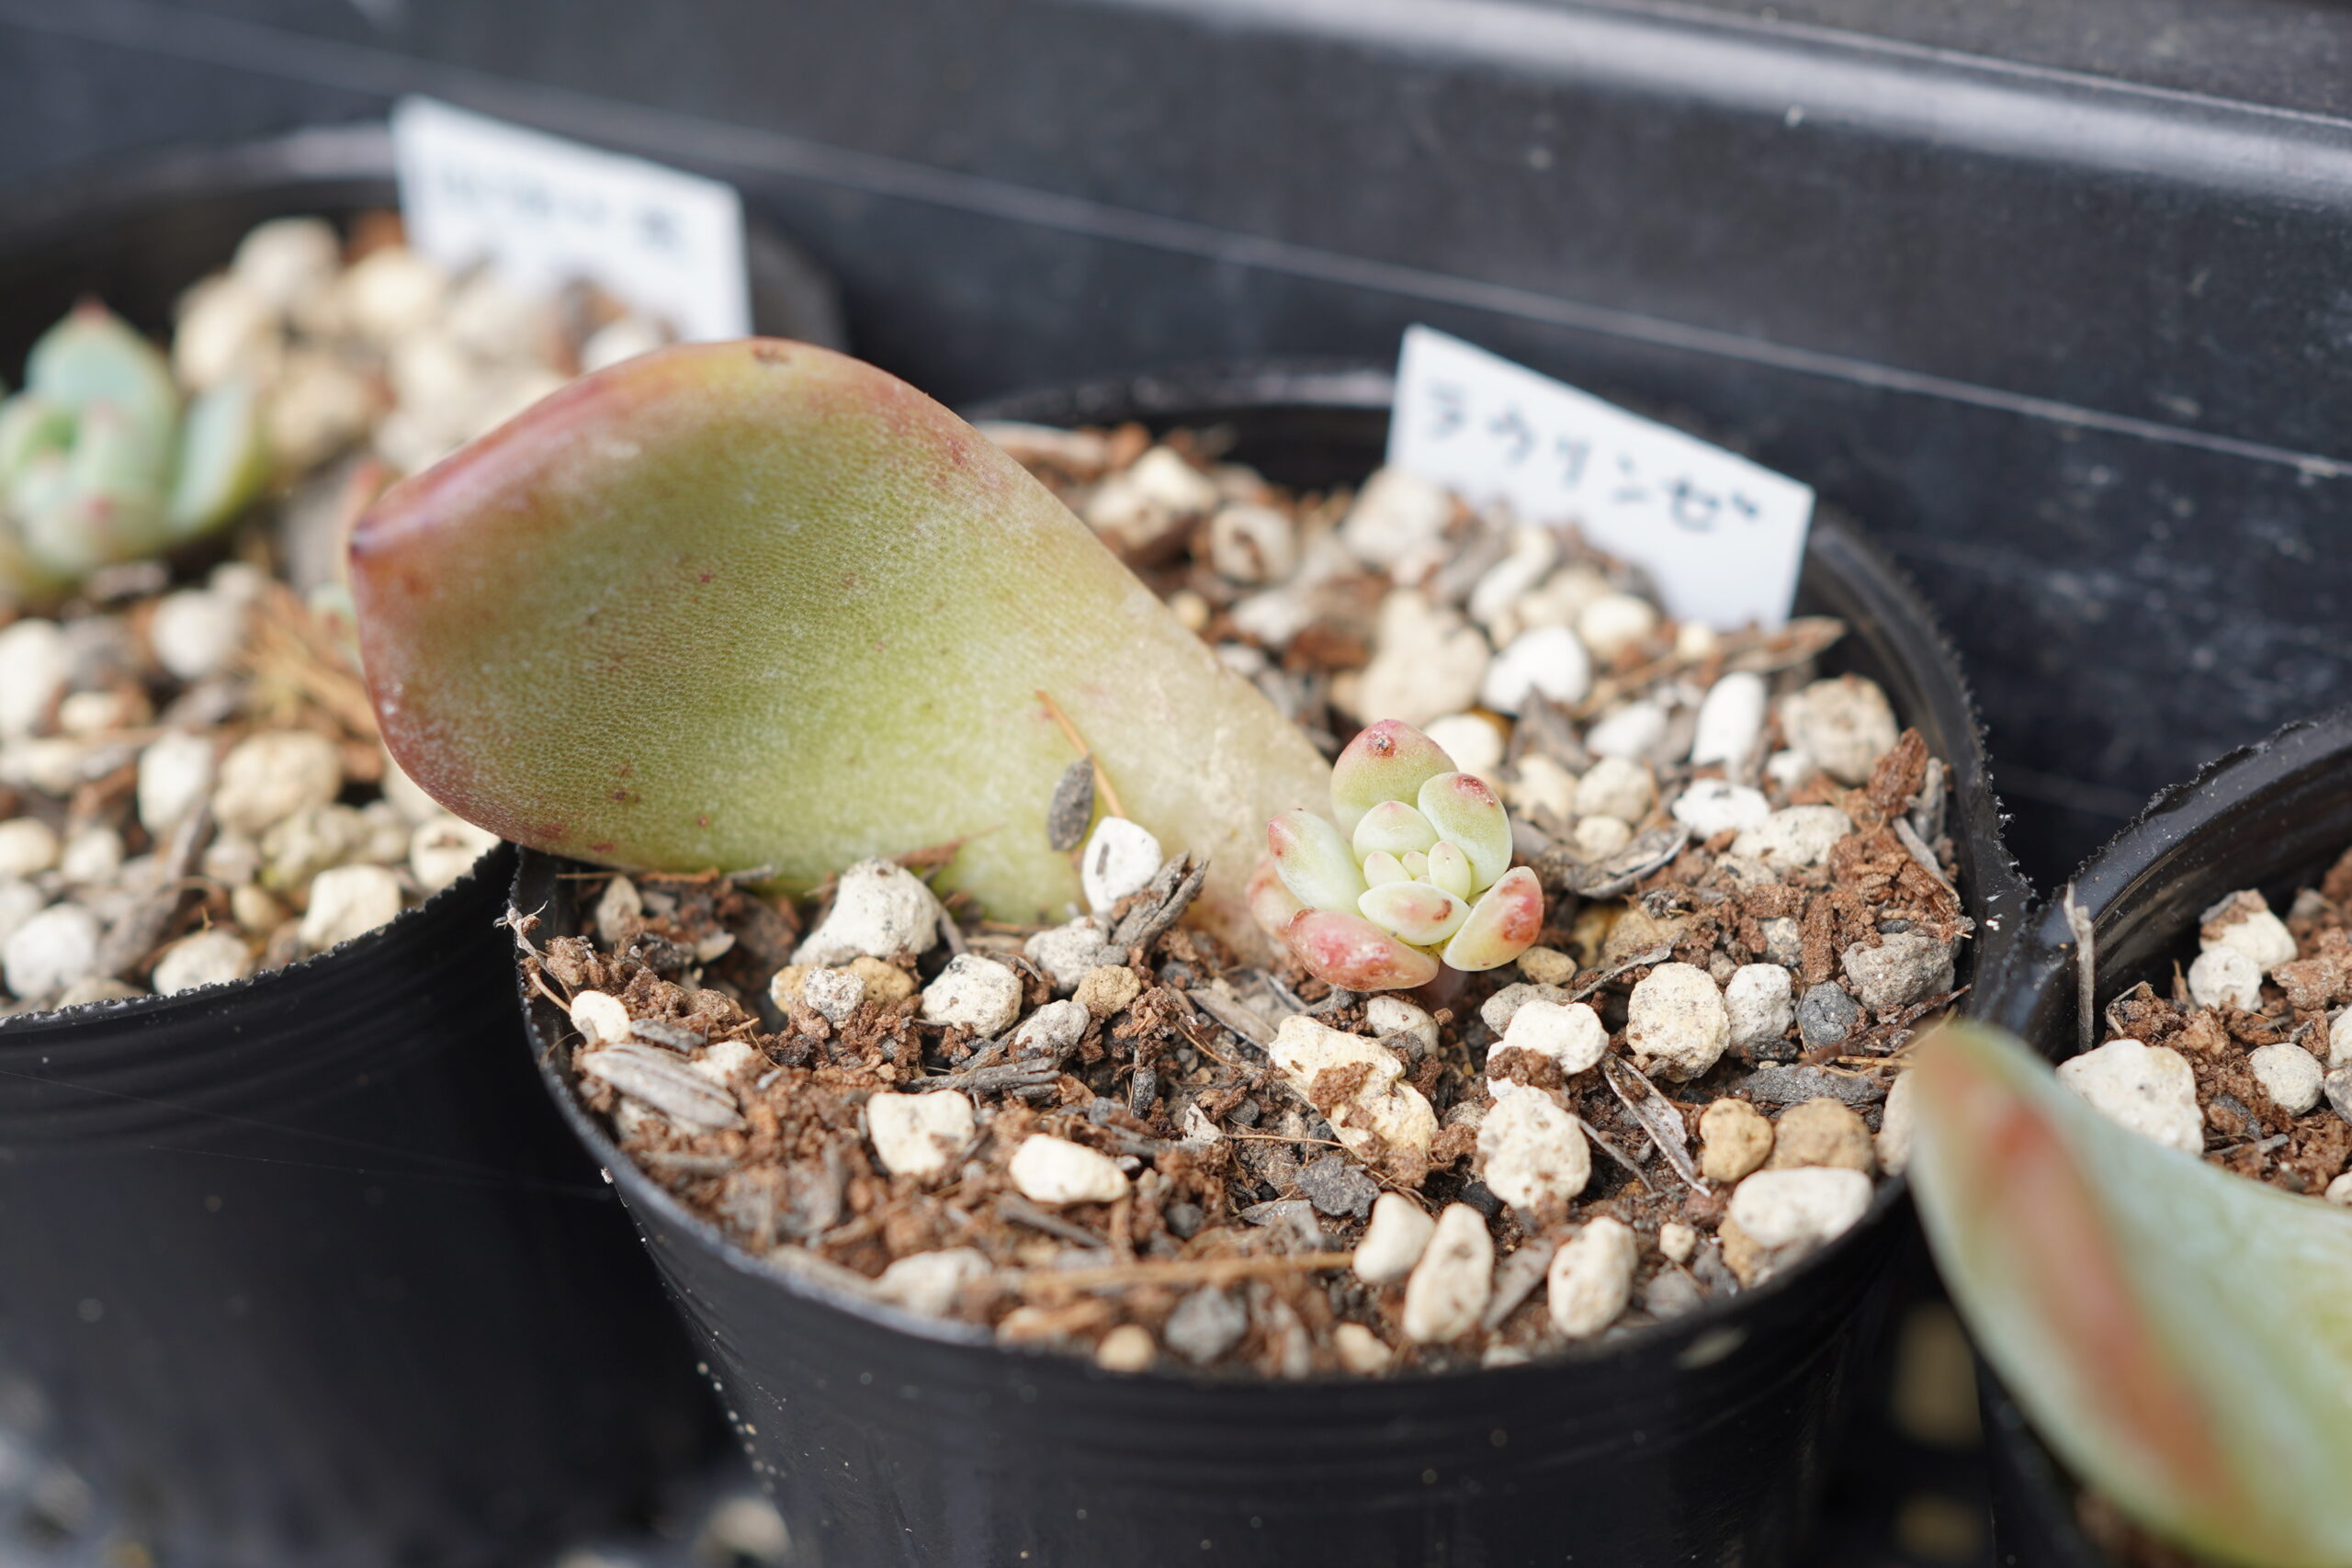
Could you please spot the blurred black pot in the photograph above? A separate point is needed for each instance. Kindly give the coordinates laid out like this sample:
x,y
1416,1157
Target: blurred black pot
x,y
895,1439
309,1270
2274,816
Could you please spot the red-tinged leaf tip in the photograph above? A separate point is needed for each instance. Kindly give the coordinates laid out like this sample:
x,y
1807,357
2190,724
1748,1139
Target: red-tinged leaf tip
x,y
1270,903
1416,912
1386,761
1503,924
1464,811
1348,950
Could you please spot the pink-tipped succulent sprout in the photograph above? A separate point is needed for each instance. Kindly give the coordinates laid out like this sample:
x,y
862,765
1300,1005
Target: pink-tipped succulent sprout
x,y
1415,873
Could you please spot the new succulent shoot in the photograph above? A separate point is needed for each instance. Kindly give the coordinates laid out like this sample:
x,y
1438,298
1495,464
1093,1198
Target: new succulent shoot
x,y
101,463
1414,874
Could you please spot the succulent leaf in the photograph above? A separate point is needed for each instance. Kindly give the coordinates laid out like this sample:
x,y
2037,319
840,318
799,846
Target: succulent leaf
x,y
1414,912
2182,1336
1448,867
1502,925
1345,949
223,459
1395,827
757,604
1381,866
94,356
1270,903
109,505
1388,760
29,426
1314,862
1465,812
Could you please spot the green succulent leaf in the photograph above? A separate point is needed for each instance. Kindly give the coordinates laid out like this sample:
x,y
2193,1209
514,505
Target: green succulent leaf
x,y
759,604
29,426
2182,1336
223,459
94,356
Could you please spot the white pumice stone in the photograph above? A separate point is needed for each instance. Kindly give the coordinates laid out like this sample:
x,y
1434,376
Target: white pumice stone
x,y
1637,729
55,949
1572,1035
1591,1278
195,632
1532,1155
1385,1119
1543,787
1165,480
1895,1122
1844,724
174,773
2340,1189
1394,512
1731,721
1533,554
348,901
1616,787
98,712
1598,838
2149,1090
834,993
1056,1171
2248,925
1427,662
1120,859
225,326
1360,1350
19,902
928,1282
1676,1241
1790,769
92,855
1050,1031
408,796
443,850
35,664
1904,968
287,260
268,777
1476,745
724,1060
600,1018
973,993
1796,836
1547,661
1676,1020
1613,622
391,295
2225,976
616,340
1252,544
1761,1004
1394,1241
212,957
1067,952
28,846
1498,1011
1710,806
1389,1015
2339,1039
880,911
921,1136
1792,1210
1447,1291
2290,1074
1272,618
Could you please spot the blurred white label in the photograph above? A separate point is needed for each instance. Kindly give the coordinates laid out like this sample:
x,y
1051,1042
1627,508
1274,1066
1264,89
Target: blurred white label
x,y
545,212
1721,538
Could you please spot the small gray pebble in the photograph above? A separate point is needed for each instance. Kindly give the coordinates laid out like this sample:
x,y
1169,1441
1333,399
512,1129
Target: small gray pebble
x,y
1714,1276
1794,1086
1142,1090
1205,1325
1338,1186
2338,1086
1670,1294
1826,1014
1184,1219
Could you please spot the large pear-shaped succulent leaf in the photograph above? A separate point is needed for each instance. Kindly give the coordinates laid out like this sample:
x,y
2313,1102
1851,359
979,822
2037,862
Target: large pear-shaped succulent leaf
x,y
2180,1335
759,604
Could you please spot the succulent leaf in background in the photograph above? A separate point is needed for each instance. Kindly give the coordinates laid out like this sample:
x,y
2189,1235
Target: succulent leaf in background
x,y
757,604
1416,872
2180,1335
98,463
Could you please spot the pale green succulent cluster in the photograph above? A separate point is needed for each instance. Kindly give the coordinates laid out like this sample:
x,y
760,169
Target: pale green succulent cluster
x,y
101,462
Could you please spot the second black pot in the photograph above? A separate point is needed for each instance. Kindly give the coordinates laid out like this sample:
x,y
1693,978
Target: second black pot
x,y
2272,816
889,1439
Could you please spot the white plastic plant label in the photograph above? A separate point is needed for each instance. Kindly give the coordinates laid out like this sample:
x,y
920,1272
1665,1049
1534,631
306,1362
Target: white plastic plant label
x,y
1721,538
545,212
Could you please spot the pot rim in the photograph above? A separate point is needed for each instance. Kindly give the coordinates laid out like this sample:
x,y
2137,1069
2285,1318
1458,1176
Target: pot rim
x,y
1696,1338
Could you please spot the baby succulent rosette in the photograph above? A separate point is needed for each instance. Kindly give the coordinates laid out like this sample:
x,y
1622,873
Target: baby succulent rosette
x,y
1414,874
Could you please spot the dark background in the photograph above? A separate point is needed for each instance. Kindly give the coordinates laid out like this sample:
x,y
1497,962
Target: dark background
x,y
2051,293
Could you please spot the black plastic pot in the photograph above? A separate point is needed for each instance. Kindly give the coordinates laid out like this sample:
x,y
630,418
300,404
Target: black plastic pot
x,y
309,1270
2274,816
894,1439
